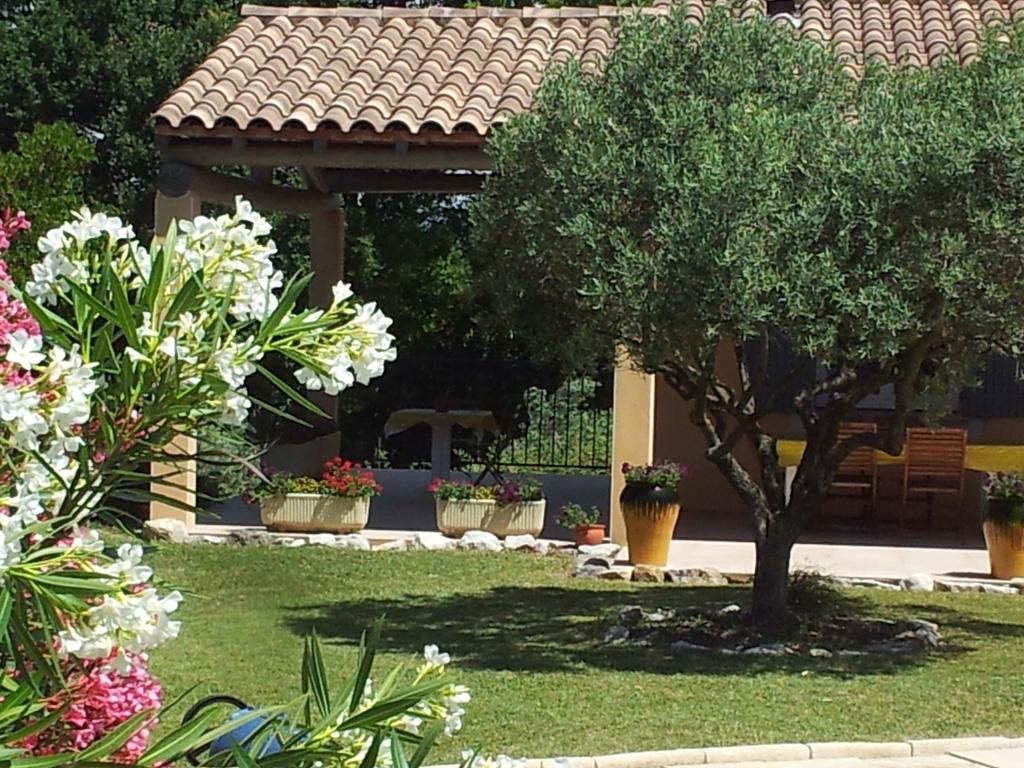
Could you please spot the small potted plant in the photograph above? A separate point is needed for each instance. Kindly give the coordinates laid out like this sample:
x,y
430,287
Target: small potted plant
x,y
461,506
650,508
339,502
583,524
1003,524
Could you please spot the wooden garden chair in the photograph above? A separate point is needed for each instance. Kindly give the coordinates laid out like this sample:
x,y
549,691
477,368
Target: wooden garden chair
x,y
859,470
934,465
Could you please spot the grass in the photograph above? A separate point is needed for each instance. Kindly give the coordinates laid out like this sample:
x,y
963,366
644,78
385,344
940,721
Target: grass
x,y
526,639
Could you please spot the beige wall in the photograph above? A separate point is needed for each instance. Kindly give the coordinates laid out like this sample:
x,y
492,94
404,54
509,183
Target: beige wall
x,y
710,502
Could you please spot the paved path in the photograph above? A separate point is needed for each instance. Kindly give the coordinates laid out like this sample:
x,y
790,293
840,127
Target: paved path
x,y
837,559
989,758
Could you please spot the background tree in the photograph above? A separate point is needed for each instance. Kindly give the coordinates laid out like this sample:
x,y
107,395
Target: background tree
x,y
43,173
102,67
724,188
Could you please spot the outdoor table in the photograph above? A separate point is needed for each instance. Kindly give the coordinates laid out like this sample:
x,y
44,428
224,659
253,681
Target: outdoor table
x,y
441,423
979,458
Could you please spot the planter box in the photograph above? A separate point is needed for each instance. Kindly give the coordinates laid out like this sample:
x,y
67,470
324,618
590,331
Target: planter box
x,y
315,513
454,518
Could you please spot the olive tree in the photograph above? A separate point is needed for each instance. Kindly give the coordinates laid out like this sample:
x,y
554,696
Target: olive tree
x,y
718,189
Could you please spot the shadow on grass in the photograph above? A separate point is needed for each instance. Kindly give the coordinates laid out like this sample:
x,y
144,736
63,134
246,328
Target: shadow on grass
x,y
555,629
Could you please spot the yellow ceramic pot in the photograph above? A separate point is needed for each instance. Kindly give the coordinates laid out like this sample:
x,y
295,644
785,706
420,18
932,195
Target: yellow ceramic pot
x,y
650,515
1005,542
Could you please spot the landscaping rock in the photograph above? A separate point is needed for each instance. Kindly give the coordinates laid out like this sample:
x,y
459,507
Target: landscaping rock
x,y
606,551
480,541
871,583
583,561
526,542
768,649
567,550
647,574
616,634
918,582
696,577
732,608
999,589
251,537
656,617
352,541
615,573
396,545
820,653
631,615
432,541
295,543
589,572
321,539
894,647
944,585
163,529
683,646
542,548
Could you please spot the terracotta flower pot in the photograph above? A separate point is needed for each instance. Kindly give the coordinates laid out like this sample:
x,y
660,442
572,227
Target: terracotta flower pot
x,y
587,534
650,514
1004,537
315,513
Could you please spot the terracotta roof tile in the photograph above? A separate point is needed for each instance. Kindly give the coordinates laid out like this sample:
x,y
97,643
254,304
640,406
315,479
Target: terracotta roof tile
x,y
452,69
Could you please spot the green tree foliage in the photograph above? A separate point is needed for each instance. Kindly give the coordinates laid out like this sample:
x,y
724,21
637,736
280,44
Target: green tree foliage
x,y
44,173
103,66
723,187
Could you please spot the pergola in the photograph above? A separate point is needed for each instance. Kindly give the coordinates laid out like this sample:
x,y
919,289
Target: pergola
x,y
397,100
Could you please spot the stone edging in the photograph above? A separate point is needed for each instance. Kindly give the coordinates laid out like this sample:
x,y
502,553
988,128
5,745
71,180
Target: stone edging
x,y
592,562
812,751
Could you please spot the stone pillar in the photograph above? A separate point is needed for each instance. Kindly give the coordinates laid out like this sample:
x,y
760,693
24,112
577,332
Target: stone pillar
x,y
326,254
177,479
632,432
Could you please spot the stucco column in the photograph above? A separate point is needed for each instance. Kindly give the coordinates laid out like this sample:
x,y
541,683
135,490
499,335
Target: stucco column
x,y
632,432
177,478
327,260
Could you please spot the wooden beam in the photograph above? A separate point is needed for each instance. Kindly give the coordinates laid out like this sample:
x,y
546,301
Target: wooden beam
x,y
207,153
316,179
398,182
426,136
177,179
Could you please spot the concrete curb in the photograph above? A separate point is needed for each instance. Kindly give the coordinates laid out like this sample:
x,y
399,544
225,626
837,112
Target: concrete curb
x,y
811,752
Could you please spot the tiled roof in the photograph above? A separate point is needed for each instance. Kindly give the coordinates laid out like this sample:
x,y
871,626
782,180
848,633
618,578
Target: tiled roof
x,y
346,70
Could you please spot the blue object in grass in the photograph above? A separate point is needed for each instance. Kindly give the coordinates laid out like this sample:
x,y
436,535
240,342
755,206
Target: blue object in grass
x,y
245,735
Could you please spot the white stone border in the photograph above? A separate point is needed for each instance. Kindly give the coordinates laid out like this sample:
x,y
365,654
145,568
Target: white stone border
x,y
828,750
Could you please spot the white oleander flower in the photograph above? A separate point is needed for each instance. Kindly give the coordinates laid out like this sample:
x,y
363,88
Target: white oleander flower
x,y
341,292
433,656
128,568
24,349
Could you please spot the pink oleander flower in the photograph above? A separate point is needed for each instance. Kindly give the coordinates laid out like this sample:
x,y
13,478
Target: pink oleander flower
x,y
14,315
99,699
10,225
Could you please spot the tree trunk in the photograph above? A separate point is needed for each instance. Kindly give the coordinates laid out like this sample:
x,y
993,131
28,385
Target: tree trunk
x,y
770,609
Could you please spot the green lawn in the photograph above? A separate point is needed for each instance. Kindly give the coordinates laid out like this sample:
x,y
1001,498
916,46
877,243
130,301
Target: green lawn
x,y
526,639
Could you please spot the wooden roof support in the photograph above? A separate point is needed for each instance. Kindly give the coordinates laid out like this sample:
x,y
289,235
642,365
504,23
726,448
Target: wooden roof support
x,y
178,179
398,182
360,157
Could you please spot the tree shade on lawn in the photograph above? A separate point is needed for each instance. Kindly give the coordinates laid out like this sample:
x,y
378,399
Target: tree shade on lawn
x,y
724,188
526,639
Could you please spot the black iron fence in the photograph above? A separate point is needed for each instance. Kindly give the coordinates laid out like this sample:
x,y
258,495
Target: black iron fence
x,y
569,429
544,425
